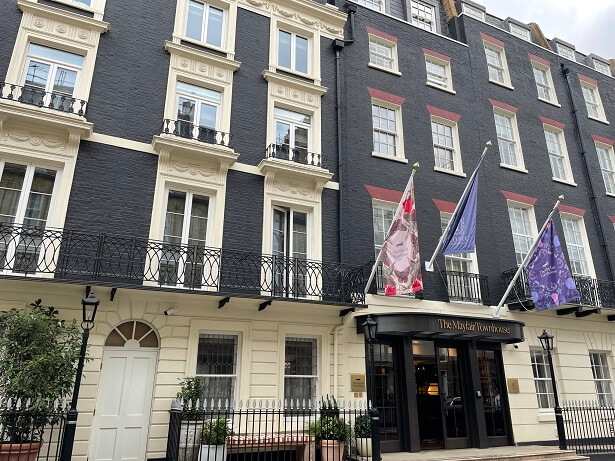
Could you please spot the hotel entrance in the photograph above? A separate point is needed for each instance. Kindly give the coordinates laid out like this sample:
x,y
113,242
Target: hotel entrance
x,y
439,381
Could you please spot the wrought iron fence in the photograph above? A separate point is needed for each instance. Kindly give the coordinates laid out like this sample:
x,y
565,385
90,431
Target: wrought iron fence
x,y
294,154
589,427
594,293
31,431
188,130
40,98
272,431
377,285
68,254
463,286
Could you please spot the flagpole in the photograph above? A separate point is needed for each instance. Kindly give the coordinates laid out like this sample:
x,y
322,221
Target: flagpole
x,y
429,264
415,167
495,311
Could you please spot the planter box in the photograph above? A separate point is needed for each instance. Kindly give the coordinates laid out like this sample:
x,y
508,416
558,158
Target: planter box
x,y
19,451
212,453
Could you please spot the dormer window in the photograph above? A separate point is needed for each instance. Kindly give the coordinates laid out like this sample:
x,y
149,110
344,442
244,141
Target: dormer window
x,y
520,32
422,15
474,12
602,67
566,52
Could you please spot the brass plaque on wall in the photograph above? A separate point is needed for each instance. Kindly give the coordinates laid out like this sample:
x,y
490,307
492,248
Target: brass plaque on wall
x,y
513,386
357,383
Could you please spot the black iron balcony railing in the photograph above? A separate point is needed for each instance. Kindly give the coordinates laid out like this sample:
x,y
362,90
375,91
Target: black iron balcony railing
x,y
67,254
294,154
466,287
40,98
188,130
594,293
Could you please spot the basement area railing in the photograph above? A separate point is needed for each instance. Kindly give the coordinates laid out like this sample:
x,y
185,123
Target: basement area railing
x,y
590,426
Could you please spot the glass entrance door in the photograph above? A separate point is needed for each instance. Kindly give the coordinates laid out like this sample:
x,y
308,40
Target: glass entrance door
x,y
385,398
451,398
492,384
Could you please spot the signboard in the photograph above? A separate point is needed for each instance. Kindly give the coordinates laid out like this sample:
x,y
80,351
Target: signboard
x,y
513,386
357,383
477,326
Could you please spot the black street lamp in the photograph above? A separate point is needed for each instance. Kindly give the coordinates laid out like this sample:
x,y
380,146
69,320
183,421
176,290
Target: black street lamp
x,y
547,344
370,329
89,305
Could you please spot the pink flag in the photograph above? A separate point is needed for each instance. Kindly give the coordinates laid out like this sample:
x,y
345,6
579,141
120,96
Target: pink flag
x,y
401,261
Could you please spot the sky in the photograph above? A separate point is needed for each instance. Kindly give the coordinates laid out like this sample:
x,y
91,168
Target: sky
x,y
587,24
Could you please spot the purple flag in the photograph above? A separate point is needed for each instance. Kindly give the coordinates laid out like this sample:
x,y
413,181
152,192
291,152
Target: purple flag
x,y
461,237
548,275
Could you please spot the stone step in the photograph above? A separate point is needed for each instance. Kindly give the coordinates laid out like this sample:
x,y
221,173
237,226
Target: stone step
x,y
560,455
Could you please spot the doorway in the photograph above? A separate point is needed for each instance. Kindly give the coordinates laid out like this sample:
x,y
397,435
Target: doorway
x,y
125,390
439,393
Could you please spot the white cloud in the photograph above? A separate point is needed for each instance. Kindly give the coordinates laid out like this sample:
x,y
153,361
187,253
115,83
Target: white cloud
x,y
586,24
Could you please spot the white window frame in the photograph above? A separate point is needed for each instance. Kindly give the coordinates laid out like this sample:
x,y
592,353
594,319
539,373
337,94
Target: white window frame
x,y
384,206
602,67
289,213
455,150
207,5
96,6
313,38
546,380
516,139
584,246
561,138
434,81
376,5
566,52
521,32
504,64
597,103
218,105
399,134
236,375
318,366
603,362
420,21
610,153
293,51
549,84
20,212
394,59
533,228
294,124
473,12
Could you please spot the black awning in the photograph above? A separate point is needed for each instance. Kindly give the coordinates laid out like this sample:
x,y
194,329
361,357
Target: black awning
x,y
446,327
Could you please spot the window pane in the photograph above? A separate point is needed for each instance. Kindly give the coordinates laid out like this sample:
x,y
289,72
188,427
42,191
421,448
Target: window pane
x,y
291,115
65,81
37,208
174,221
217,361
299,235
55,55
11,184
186,109
300,369
199,92
194,24
208,115
198,220
284,49
279,232
37,75
301,55
282,133
214,26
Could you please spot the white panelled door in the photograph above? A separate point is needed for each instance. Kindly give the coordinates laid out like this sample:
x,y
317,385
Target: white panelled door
x,y
123,406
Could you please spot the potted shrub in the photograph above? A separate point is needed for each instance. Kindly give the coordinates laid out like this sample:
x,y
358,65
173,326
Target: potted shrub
x,y
330,431
191,392
38,357
363,435
213,440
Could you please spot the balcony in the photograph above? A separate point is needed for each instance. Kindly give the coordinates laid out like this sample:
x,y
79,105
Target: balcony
x,y
185,129
297,155
39,98
124,261
596,294
466,287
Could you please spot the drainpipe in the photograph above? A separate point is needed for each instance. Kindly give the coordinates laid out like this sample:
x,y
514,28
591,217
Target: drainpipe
x,y
592,190
338,46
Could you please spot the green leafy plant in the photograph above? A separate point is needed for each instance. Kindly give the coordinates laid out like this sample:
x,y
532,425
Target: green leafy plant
x,y
363,427
330,428
38,357
215,432
191,391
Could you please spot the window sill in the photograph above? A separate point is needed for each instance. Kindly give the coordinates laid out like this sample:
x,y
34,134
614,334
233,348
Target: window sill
x,y
504,85
300,75
514,168
563,181
546,416
438,87
205,45
461,174
601,120
389,157
553,103
384,69
610,194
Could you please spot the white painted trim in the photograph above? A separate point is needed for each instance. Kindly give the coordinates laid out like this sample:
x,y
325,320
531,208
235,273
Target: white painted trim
x,y
547,70
451,172
400,152
389,157
457,157
515,127
588,253
507,83
448,69
394,54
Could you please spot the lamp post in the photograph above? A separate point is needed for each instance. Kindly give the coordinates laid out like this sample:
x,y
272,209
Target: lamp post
x,y
370,328
89,306
547,344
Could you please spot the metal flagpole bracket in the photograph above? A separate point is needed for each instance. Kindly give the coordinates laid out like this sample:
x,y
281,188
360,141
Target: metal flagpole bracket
x,y
416,166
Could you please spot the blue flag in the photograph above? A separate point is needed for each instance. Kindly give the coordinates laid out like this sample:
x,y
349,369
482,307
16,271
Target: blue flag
x,y
461,236
548,275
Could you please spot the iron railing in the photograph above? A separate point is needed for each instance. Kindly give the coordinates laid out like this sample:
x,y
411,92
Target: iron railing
x,y
68,254
294,154
466,287
31,431
40,98
270,430
589,427
594,293
188,130
377,285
